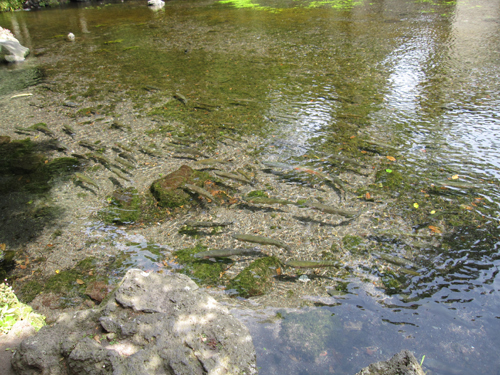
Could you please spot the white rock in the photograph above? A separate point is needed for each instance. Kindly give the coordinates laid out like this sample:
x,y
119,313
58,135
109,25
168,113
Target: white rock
x,y
71,37
10,48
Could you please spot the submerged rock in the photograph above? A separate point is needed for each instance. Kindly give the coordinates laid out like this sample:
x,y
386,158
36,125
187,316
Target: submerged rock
x,y
168,190
151,324
403,363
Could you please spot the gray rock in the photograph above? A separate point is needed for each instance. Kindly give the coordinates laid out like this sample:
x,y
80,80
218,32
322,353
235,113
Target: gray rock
x,y
151,324
403,363
10,48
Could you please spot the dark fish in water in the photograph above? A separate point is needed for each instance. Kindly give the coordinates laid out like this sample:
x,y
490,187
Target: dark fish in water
x,y
198,190
119,173
455,184
87,145
219,253
311,264
209,161
124,163
279,165
232,177
127,156
42,127
264,200
122,146
101,159
186,150
180,98
150,151
332,210
85,179
261,240
207,224
69,130
394,260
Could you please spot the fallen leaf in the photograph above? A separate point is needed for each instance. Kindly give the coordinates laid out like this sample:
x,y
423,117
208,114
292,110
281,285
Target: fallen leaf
x,y
22,266
454,177
80,281
368,196
415,205
435,229
391,158
352,136
364,152
2,246
96,338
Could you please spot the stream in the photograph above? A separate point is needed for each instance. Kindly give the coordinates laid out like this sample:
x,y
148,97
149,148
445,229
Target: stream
x,y
400,99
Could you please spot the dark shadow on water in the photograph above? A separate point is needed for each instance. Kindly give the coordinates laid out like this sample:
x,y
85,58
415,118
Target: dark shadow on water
x,y
27,174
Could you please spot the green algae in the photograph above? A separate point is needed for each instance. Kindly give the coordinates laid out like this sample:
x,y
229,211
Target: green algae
x,y
256,279
168,190
125,207
204,272
353,244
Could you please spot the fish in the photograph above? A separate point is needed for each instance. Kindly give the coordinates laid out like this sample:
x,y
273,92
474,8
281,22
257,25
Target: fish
x,y
86,179
394,260
87,145
209,161
119,173
68,130
198,190
122,146
24,130
180,98
232,177
455,184
343,159
261,240
117,125
150,151
124,163
245,174
264,200
208,224
277,165
186,150
101,159
311,264
42,127
332,210
127,156
219,253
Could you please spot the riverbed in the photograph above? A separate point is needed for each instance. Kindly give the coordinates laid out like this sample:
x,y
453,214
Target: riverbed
x,y
388,110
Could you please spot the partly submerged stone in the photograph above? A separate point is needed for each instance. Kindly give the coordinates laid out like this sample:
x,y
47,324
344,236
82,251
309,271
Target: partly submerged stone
x,y
403,363
168,190
151,324
10,48
256,279
124,206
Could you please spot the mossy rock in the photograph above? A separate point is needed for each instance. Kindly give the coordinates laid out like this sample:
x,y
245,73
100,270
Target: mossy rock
x,y
168,190
202,271
124,207
255,280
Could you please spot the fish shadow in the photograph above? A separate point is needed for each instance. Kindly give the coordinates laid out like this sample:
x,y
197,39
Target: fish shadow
x,y
308,220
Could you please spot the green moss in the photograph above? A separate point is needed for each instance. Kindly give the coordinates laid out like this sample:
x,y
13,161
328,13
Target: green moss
x,y
258,193
30,290
124,207
255,279
352,243
200,270
390,178
392,282
168,190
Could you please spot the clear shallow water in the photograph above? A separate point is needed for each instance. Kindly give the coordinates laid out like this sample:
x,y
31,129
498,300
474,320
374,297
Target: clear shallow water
x,y
422,77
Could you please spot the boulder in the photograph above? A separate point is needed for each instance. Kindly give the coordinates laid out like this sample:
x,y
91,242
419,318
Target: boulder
x,y
10,48
403,363
168,190
150,324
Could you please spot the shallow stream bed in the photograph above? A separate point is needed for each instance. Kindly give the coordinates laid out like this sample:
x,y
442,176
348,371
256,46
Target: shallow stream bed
x,y
374,125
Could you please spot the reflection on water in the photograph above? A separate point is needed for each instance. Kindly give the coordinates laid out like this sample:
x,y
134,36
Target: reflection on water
x,y
417,77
